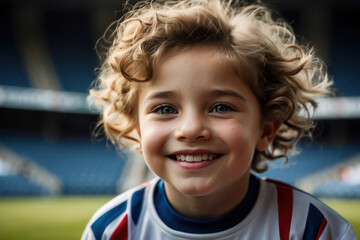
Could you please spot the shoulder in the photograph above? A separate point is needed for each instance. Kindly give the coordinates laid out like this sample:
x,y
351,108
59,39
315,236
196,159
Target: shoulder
x,y
113,217
302,213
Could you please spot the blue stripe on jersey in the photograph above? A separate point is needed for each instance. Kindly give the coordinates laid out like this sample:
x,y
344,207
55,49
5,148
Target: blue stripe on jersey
x,y
313,222
180,223
98,227
136,204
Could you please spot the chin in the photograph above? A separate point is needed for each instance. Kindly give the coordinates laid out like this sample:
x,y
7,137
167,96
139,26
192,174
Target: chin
x,y
196,189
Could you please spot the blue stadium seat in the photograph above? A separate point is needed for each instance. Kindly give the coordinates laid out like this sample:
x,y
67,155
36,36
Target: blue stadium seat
x,y
17,185
312,158
82,166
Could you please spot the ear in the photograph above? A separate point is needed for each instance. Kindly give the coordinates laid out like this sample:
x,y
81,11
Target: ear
x,y
268,133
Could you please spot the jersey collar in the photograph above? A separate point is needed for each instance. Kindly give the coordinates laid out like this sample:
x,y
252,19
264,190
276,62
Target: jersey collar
x,y
180,223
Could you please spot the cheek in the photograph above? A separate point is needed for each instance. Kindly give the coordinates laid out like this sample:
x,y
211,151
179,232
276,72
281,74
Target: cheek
x,y
233,130
153,138
239,137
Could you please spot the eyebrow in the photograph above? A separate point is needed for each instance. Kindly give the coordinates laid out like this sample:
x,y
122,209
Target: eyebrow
x,y
161,95
215,93
227,92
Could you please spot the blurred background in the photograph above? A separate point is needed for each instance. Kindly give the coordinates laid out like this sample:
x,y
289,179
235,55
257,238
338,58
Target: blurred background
x,y
54,174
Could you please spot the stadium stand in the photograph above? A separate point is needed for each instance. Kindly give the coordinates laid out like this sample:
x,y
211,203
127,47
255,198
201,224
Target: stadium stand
x,y
344,64
311,159
336,189
82,167
12,69
17,185
70,41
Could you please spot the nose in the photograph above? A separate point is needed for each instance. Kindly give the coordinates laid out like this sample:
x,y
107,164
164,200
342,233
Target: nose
x,y
192,127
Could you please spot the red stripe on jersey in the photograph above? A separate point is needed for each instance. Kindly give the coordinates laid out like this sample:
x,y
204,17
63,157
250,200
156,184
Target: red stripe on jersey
x,y
121,232
321,228
285,208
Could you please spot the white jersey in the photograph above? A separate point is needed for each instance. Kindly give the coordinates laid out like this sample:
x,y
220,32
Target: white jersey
x,y
270,210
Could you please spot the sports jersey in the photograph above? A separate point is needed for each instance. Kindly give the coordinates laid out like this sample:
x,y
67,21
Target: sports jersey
x,y
270,210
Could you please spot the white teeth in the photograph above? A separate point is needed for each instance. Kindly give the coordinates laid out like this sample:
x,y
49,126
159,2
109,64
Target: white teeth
x,y
180,157
196,158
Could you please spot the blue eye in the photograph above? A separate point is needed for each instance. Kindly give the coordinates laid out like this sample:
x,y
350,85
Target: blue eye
x,y
164,110
222,108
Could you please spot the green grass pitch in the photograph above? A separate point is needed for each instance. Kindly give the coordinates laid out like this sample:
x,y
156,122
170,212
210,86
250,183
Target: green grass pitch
x,y
66,217
46,218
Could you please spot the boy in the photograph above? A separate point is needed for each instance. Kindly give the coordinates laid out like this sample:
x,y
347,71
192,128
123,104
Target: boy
x,y
209,91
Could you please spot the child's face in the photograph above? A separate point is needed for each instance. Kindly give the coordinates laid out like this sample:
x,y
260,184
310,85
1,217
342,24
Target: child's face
x,y
199,124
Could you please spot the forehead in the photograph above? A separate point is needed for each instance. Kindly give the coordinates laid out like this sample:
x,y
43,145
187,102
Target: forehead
x,y
194,63
217,60
199,70
238,61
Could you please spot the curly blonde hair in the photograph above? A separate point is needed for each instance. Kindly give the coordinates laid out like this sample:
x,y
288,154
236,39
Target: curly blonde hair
x,y
284,75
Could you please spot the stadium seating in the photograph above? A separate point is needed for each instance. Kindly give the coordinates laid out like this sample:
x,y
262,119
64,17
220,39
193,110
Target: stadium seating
x,y
17,185
336,189
311,159
82,167
12,70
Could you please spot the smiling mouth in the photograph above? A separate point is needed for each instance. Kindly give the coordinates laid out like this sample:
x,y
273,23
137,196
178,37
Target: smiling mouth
x,y
195,158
